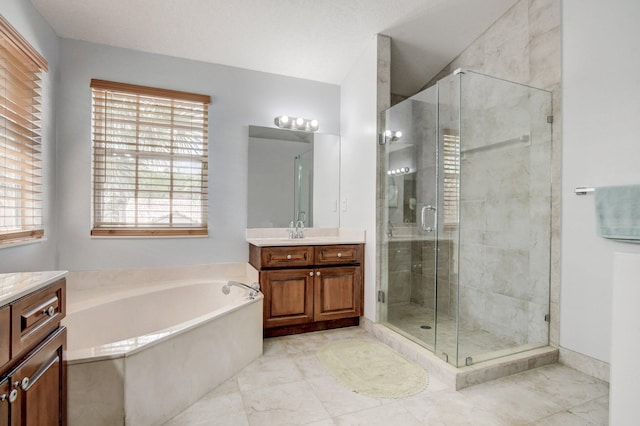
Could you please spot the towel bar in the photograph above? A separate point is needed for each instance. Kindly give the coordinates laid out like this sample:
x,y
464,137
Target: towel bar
x,y
581,190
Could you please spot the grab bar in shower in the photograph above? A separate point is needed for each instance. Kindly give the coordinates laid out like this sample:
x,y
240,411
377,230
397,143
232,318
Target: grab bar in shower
x,y
583,190
524,139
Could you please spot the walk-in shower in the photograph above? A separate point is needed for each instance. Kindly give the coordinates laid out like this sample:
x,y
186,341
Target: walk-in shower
x,y
466,215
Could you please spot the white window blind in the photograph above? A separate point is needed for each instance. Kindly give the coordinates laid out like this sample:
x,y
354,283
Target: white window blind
x,y
451,177
150,161
20,138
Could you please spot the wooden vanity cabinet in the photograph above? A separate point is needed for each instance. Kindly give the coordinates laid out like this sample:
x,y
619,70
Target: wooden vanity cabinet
x,y
309,288
33,380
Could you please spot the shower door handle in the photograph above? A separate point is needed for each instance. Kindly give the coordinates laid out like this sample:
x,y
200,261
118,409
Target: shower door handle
x,y
423,221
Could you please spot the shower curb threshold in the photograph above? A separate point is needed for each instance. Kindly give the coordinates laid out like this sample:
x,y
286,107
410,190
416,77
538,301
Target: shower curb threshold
x,y
462,377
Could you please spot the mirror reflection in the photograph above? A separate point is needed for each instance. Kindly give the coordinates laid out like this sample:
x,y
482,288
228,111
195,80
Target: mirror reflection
x,y
401,184
293,176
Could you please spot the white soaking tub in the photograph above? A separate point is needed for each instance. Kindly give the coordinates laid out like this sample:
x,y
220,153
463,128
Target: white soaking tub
x,y
141,355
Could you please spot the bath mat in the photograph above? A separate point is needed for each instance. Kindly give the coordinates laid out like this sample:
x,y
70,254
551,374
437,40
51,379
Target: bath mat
x,y
373,369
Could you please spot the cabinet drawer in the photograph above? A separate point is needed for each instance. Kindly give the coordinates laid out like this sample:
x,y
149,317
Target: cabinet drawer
x,y
338,255
279,257
35,316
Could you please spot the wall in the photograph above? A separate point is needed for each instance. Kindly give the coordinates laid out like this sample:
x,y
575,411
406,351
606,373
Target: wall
x,y
600,147
239,98
358,113
39,255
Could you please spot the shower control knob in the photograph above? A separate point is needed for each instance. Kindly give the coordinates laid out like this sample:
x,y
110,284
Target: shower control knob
x,y
288,257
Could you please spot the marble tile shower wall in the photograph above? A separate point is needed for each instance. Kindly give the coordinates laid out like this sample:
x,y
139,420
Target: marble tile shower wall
x,y
505,209
524,45
411,275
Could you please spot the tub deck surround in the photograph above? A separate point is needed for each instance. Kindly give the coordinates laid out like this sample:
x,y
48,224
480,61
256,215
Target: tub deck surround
x,y
264,237
130,344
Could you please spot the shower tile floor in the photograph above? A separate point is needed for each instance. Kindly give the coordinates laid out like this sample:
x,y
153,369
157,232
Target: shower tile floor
x,y
410,317
289,386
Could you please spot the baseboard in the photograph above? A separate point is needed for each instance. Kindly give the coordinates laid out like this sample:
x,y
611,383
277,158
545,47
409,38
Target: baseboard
x,y
584,363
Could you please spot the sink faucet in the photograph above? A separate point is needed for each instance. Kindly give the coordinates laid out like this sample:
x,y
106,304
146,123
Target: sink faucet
x,y
297,232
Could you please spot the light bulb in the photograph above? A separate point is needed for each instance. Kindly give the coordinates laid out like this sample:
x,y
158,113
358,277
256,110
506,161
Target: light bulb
x,y
284,119
398,134
387,133
314,124
299,121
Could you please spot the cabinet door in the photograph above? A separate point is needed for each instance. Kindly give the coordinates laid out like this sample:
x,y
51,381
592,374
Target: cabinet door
x,y
41,383
4,402
288,297
337,293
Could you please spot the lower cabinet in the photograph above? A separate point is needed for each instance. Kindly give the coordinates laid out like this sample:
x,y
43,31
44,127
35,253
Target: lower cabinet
x,y
309,287
301,296
33,393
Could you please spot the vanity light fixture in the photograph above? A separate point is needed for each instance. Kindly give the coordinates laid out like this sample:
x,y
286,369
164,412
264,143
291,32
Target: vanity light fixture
x,y
399,171
304,124
390,136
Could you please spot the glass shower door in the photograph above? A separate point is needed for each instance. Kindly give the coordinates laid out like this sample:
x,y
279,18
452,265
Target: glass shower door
x,y
410,241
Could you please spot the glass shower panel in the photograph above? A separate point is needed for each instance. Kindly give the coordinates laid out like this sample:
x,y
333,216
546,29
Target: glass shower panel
x,y
303,188
410,207
448,136
505,218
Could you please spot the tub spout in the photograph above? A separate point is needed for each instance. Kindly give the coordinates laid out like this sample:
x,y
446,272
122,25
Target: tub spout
x,y
254,288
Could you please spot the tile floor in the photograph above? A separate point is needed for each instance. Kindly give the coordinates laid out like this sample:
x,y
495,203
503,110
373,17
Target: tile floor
x,y
289,386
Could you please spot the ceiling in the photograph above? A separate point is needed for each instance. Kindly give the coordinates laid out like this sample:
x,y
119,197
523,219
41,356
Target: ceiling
x,y
311,39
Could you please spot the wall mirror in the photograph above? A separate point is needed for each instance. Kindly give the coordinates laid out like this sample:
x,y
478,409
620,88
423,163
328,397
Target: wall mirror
x,y
295,176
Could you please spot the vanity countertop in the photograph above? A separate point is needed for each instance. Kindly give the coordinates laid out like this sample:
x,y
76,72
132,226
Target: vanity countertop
x,y
17,284
270,237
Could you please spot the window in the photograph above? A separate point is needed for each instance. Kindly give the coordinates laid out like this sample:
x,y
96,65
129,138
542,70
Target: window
x,y
20,138
150,153
451,177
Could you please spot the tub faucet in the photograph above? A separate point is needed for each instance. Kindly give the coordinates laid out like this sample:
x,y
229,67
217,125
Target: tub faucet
x,y
254,288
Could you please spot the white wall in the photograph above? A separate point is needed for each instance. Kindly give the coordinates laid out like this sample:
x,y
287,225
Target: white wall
x,y
32,26
601,146
358,160
239,98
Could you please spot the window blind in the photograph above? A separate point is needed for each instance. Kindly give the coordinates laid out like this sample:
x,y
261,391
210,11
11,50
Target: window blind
x,y
150,161
451,177
20,138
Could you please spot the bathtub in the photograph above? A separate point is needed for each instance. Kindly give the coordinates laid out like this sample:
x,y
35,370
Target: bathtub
x,y
140,354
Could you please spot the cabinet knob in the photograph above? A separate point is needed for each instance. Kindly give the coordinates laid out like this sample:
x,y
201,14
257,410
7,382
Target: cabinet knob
x,y
23,384
13,395
318,273
311,273
288,257
339,254
49,311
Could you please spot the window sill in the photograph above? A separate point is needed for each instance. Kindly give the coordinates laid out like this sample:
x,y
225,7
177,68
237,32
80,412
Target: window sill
x,y
22,243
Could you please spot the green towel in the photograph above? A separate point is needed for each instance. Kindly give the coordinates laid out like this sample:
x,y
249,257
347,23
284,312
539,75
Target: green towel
x,y
618,212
